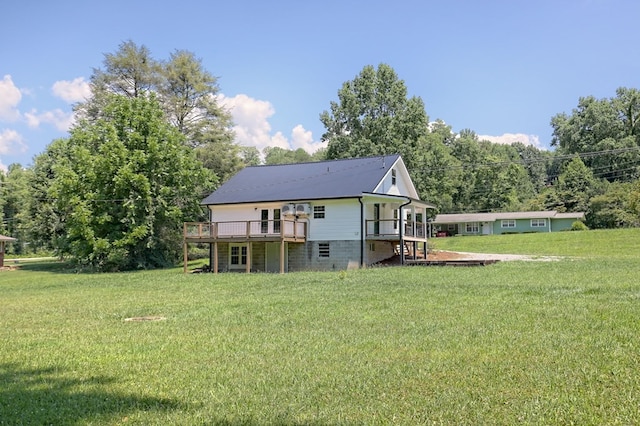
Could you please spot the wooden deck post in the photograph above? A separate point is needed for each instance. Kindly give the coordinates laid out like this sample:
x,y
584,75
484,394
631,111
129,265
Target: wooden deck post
x,y
282,256
186,255
215,258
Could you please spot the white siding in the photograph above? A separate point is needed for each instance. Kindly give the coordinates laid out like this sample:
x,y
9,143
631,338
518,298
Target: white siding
x,y
341,221
242,212
403,185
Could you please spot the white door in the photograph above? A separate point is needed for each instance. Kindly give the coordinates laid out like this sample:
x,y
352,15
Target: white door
x,y
486,228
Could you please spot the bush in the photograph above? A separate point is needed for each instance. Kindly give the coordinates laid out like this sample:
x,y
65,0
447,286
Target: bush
x,y
578,225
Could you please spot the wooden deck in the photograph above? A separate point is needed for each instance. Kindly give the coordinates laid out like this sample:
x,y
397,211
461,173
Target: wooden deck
x,y
245,231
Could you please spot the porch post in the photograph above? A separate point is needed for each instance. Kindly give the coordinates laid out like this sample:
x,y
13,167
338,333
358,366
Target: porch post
x,y
248,269
185,255
214,264
282,256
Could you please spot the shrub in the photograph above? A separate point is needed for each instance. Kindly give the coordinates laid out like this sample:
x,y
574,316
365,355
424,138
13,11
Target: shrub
x,y
578,225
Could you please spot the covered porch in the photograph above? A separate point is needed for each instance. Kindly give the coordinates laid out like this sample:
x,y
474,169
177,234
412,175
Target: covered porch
x,y
399,220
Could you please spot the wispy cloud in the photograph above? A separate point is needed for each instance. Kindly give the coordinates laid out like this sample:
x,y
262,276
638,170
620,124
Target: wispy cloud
x,y
509,138
58,118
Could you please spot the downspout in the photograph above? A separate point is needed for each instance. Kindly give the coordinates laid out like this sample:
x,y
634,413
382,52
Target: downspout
x,y
401,219
362,231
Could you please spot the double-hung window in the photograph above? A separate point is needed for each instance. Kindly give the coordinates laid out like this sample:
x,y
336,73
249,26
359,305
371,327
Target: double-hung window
x,y
508,223
538,223
472,228
318,212
238,256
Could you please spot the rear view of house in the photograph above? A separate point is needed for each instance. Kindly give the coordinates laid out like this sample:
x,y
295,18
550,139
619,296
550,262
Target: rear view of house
x,y
325,215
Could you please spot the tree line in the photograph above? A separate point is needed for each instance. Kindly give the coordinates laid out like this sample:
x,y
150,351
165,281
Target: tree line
x,y
152,141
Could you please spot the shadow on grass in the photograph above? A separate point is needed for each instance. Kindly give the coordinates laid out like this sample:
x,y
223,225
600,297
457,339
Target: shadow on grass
x,y
56,266
46,396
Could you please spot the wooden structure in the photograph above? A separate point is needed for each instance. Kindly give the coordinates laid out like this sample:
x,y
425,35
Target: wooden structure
x,y
3,240
248,231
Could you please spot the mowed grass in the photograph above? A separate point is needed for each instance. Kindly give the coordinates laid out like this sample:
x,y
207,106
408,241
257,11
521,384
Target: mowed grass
x,y
515,342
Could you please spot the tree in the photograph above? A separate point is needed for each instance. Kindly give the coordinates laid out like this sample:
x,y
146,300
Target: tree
x,y
123,186
186,91
48,222
613,208
277,155
131,72
15,196
373,116
575,186
605,132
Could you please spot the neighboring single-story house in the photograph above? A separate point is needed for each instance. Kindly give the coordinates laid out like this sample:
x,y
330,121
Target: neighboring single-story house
x,y
503,223
3,240
325,215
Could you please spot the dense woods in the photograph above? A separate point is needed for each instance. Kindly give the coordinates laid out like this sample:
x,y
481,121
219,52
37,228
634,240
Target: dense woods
x,y
152,141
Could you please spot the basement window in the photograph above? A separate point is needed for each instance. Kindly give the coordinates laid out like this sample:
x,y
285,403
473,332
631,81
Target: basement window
x,y
323,250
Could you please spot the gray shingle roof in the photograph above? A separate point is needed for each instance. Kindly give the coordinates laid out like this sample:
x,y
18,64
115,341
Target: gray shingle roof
x,y
492,217
304,181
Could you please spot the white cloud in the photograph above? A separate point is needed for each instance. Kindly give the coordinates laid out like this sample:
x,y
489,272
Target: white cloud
x,y
252,127
11,142
61,120
509,138
77,90
10,97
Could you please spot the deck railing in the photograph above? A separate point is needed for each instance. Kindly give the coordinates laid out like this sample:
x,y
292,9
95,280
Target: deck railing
x,y
249,229
390,228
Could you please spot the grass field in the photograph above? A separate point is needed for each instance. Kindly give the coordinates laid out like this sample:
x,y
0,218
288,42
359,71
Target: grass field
x,y
515,342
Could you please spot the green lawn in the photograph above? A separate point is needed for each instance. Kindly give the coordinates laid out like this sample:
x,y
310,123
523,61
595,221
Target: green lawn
x,y
515,342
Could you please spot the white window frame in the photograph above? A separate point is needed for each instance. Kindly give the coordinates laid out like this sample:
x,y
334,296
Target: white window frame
x,y
319,212
472,227
394,177
242,256
508,223
538,223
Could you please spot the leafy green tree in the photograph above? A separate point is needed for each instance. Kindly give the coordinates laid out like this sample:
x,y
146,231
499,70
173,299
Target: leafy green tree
x,y
277,155
439,173
613,208
188,93
575,186
374,116
605,132
15,196
124,185
48,222
536,162
250,155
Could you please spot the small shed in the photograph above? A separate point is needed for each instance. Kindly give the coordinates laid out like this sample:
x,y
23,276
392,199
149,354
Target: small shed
x,y
3,240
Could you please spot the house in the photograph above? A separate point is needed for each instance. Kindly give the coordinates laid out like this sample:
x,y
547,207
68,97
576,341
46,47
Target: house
x,y
327,215
3,240
503,223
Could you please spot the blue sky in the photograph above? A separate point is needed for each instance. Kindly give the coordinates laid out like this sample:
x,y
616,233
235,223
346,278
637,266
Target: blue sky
x,y
500,68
